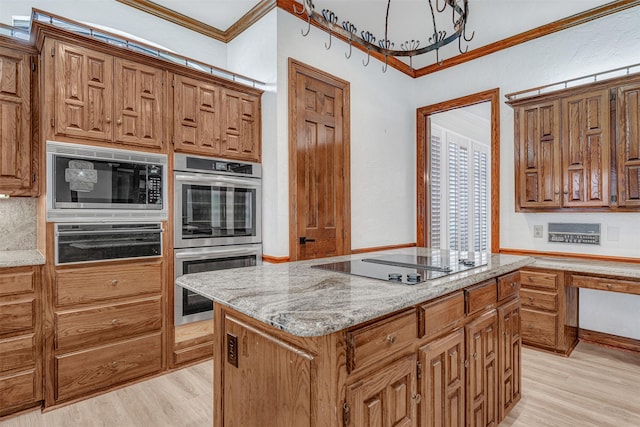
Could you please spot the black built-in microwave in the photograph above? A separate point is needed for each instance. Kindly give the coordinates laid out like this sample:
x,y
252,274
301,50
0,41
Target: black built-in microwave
x,y
89,183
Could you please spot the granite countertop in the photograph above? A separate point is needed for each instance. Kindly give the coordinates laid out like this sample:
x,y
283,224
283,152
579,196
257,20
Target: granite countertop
x,y
20,258
310,302
577,265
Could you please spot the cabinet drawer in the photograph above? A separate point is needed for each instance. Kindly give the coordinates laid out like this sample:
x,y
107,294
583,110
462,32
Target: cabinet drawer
x,y
539,279
17,281
18,352
445,313
18,389
91,284
87,371
378,340
604,284
17,316
539,300
508,285
94,326
481,296
539,328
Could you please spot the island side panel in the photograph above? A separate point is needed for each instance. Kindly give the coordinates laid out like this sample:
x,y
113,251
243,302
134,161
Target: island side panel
x,y
255,364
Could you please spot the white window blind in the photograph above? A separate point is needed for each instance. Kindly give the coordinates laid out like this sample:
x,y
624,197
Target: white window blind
x,y
459,190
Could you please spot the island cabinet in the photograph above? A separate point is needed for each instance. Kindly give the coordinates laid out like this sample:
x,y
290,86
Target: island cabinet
x,y
549,310
440,363
95,96
215,120
20,339
18,164
104,327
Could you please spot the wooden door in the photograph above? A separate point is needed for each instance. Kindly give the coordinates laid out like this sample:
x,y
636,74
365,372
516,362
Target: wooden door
x,y
138,104
509,356
83,92
388,398
538,156
482,373
586,157
443,381
240,126
16,175
318,164
628,146
266,381
196,109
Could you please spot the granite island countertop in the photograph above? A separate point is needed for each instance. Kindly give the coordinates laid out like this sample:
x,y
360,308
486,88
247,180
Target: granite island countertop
x,y
305,301
21,258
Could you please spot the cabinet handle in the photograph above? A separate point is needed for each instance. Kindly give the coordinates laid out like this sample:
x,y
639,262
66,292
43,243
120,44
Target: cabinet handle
x,y
417,397
530,299
114,363
391,339
119,121
475,355
108,120
513,284
609,286
114,282
115,321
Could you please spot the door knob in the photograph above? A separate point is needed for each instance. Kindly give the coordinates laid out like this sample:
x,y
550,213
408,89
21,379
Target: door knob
x,y
304,240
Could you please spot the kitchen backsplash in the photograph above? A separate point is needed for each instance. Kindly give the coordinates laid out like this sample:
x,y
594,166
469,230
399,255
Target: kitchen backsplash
x,y
18,223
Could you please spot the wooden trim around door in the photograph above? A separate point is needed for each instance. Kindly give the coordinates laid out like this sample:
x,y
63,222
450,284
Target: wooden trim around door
x,y
423,137
295,68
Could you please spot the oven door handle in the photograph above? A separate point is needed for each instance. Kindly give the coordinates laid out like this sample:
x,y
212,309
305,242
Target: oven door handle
x,y
206,255
115,232
250,182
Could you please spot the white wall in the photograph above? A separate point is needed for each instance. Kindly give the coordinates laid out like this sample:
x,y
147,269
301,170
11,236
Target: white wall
x,y
125,18
382,138
597,46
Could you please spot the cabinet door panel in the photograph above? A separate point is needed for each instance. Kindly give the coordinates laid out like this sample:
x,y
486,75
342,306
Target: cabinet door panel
x,y
17,316
443,381
387,398
138,104
628,148
482,374
240,121
586,149
270,383
509,360
15,124
83,92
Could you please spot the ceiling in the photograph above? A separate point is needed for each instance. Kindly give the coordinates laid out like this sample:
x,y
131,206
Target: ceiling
x,y
489,20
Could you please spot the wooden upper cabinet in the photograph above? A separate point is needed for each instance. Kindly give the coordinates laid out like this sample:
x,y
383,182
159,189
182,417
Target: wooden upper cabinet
x,y
138,104
196,115
17,173
586,149
628,146
538,155
105,98
83,81
212,120
240,126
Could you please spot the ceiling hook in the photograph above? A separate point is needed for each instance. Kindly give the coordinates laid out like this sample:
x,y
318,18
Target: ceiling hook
x,y
464,34
325,44
438,6
296,11
305,34
350,47
386,64
368,58
460,46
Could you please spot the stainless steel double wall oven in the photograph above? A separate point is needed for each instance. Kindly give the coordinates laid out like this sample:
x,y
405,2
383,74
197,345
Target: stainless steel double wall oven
x,y
217,223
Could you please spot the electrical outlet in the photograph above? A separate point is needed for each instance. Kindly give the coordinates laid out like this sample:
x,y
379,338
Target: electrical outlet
x,y
537,231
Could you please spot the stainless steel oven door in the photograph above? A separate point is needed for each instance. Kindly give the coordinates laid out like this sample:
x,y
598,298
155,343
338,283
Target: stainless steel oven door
x,y
213,210
188,305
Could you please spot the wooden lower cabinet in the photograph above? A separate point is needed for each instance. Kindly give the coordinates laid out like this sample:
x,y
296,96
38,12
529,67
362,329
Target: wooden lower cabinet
x,y
432,365
387,398
442,363
105,327
482,370
20,339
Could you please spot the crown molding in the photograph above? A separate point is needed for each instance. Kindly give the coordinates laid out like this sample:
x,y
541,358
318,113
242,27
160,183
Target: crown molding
x,y
257,12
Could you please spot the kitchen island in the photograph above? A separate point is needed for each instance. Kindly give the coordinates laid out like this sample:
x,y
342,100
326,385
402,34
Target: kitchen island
x,y
296,345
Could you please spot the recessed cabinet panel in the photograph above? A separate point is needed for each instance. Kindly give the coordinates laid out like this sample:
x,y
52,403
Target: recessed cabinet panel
x,y
628,105
196,115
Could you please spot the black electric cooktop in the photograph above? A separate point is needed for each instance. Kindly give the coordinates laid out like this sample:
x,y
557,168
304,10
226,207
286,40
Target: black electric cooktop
x,y
410,269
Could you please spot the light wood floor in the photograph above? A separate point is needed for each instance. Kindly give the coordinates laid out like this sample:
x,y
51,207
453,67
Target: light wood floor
x,y
596,386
